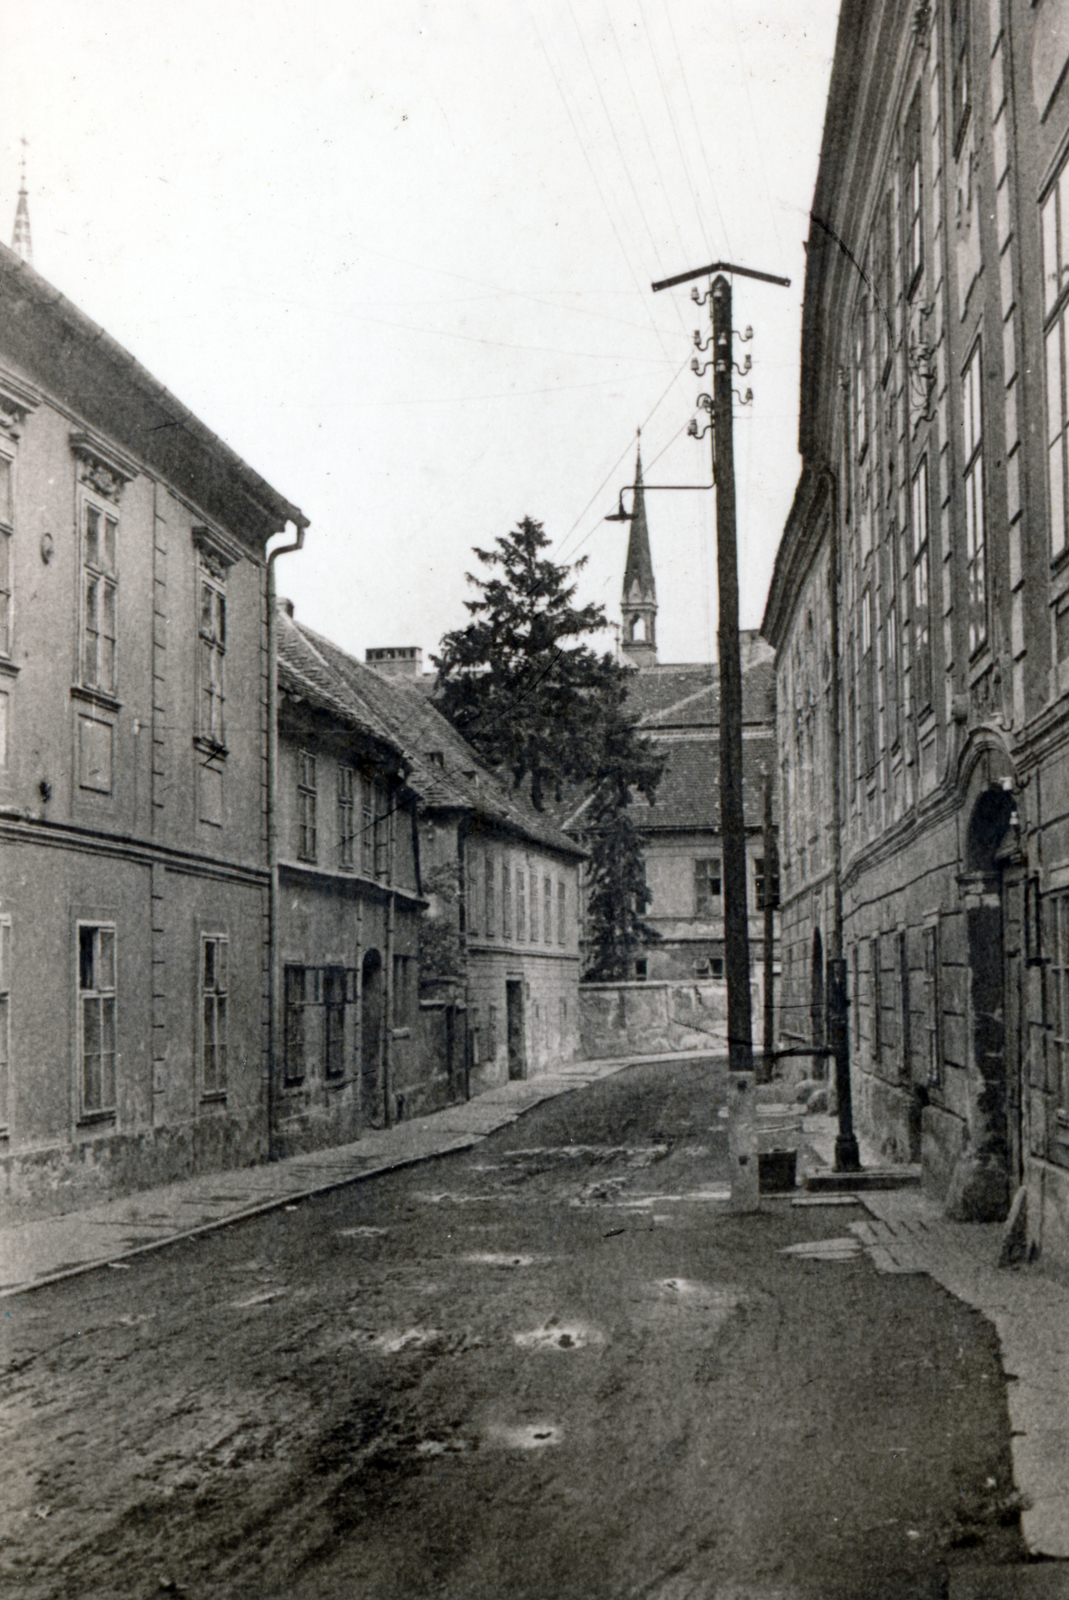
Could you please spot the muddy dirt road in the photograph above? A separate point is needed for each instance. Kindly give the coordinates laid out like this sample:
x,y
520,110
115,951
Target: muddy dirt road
x,y
553,1368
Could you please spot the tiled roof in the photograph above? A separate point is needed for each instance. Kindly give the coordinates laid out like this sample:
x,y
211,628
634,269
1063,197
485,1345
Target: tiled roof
x,y
689,696
689,792
445,771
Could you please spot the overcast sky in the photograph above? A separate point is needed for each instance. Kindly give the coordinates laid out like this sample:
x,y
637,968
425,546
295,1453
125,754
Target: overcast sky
x,y
399,255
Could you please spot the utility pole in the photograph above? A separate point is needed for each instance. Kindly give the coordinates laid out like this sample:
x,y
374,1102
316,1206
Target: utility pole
x,y
771,903
732,818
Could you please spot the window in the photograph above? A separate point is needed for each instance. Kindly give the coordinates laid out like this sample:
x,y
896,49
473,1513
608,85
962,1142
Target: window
x,y
214,991
306,806
641,969
506,900
932,1004
913,196
861,386
534,906
490,909
521,904
707,888
96,993
975,532
7,518
211,659
922,650
890,673
562,913
402,999
1059,971
905,1053
1055,227
382,829
294,1002
473,887
867,687
5,1020
547,910
346,818
367,828
99,597
334,996
760,887
959,66
876,992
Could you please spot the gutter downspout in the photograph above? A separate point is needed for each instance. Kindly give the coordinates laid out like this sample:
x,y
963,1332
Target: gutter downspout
x,y
272,832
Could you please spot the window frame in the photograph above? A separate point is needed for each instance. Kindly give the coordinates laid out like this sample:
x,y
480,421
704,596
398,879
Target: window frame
x,y
921,587
977,586
1054,255
294,1022
214,1086
347,791
708,903
7,560
960,71
307,799
913,194
91,575
211,650
103,995
5,1023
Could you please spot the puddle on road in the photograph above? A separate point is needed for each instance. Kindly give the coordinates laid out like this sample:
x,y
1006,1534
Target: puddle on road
x,y
555,1335
846,1249
366,1232
490,1259
533,1436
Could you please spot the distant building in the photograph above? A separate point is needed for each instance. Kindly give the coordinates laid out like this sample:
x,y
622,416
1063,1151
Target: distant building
x,y
497,990
920,602
679,707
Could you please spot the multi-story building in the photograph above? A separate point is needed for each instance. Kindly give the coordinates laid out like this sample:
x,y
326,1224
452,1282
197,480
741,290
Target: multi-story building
x,y
920,604
133,776
497,987
350,907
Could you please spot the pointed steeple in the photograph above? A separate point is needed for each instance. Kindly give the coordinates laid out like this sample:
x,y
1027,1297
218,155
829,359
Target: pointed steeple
x,y
639,599
21,241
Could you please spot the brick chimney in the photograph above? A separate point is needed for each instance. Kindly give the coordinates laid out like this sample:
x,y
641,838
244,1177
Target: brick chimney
x,y
396,661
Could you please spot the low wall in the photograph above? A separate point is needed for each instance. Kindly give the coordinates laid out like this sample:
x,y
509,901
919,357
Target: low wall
x,y
619,1019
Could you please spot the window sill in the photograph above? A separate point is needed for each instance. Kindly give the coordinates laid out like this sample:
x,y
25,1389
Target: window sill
x,y
213,1097
9,668
96,1119
96,697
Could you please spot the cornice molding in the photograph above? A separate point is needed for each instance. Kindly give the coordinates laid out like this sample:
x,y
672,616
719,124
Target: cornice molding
x,y
101,466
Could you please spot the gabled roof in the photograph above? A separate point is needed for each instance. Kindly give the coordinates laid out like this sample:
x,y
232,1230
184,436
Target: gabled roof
x,y
688,796
57,346
443,769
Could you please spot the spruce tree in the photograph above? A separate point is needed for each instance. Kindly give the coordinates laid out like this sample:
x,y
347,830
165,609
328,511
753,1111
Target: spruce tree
x,y
526,689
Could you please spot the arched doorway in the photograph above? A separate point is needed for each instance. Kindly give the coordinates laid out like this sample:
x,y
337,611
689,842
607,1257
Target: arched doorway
x,y
372,997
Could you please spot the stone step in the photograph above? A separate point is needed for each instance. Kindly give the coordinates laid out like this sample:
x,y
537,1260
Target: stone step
x,y
896,1177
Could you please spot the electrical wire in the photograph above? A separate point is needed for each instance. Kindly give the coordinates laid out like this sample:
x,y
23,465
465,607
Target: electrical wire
x,y
675,130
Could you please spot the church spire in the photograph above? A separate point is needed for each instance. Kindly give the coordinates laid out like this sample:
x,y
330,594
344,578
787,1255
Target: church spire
x,y
21,242
639,600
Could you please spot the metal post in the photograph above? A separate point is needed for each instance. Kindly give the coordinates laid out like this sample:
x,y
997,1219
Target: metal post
x,y
732,820
771,877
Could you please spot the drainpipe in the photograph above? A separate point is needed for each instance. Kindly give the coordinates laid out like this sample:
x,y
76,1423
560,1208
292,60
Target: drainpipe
x,y
847,1154
388,1020
272,830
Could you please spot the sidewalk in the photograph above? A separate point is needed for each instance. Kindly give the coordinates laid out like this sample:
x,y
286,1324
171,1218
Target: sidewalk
x,y
36,1253
906,1232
